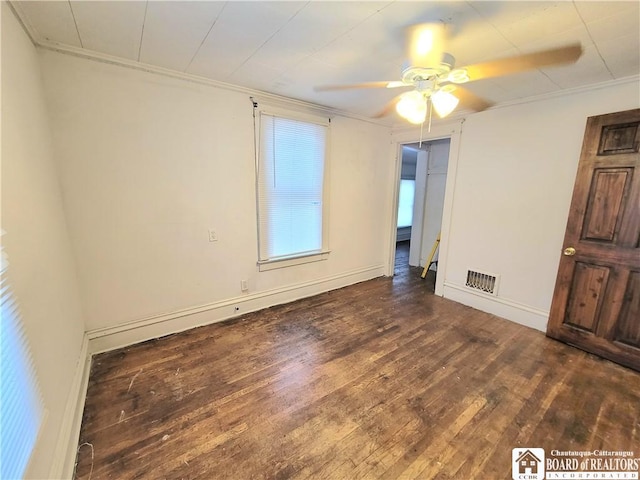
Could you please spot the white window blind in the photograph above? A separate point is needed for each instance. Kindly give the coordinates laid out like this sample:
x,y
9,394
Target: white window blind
x,y
290,187
21,409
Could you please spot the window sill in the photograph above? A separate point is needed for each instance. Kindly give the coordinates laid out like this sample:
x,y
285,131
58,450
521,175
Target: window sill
x,y
266,265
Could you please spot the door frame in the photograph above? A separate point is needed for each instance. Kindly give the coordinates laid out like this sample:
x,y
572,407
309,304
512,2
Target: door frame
x,y
452,131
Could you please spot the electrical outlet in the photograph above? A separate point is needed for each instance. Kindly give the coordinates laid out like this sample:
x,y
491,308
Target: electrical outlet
x,y
213,236
244,286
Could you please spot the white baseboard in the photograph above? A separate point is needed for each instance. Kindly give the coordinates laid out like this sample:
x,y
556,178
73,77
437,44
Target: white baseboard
x,y
109,338
523,314
67,444
100,340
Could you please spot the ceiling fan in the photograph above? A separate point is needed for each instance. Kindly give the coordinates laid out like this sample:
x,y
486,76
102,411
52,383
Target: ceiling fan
x,y
435,80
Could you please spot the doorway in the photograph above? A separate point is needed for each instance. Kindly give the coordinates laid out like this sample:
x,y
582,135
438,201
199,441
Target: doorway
x,y
421,196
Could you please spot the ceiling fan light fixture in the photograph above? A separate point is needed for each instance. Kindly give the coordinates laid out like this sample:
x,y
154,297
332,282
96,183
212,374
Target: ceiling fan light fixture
x,y
444,102
413,107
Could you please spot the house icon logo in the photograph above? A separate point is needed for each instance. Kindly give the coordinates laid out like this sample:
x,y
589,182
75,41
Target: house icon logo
x,y
527,464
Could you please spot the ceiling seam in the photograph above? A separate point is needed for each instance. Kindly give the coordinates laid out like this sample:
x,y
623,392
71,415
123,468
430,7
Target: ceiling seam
x,y
377,12
592,39
215,20
494,26
196,79
75,23
27,28
499,33
268,39
144,21
510,42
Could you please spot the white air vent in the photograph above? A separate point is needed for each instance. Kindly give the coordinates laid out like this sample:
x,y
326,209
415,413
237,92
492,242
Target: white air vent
x,y
482,281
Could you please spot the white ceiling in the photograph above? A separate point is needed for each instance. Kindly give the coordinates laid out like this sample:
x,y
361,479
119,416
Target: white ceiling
x,y
289,47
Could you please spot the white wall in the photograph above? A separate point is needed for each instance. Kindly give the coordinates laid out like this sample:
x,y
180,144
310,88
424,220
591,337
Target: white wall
x,y
515,174
149,163
42,269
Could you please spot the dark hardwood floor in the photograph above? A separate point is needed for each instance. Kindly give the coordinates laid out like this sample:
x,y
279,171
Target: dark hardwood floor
x,y
377,380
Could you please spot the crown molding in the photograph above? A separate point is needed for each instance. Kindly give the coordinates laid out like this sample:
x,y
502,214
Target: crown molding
x,y
259,95
569,91
281,100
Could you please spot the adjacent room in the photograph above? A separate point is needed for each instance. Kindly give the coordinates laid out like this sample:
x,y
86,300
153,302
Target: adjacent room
x,y
333,240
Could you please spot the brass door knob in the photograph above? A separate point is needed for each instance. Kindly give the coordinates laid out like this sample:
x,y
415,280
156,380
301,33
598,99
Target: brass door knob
x,y
569,251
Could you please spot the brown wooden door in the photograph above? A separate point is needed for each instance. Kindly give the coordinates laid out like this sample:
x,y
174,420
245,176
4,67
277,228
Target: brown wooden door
x,y
596,303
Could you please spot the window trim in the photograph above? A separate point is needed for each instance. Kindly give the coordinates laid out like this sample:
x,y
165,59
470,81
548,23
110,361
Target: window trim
x,y
301,257
292,260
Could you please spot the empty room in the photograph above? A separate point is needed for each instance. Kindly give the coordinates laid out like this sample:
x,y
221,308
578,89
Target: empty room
x,y
320,240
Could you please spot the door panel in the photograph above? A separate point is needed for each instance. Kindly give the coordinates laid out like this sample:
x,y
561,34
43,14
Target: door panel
x,y
583,310
628,326
596,302
617,139
605,202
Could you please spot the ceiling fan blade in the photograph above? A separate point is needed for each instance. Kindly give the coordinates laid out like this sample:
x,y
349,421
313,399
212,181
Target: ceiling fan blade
x,y
397,84
471,100
385,84
522,63
388,108
425,44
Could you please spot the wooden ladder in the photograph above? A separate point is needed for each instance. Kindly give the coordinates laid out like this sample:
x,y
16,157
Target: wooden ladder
x,y
430,259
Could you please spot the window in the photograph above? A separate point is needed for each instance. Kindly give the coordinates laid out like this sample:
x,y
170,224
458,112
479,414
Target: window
x,y
291,166
405,203
21,410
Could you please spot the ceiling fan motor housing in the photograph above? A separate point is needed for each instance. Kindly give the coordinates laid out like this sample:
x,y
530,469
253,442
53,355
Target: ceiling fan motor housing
x,y
413,74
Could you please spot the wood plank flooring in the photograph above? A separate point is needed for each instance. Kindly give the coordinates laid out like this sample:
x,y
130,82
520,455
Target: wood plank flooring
x,y
379,380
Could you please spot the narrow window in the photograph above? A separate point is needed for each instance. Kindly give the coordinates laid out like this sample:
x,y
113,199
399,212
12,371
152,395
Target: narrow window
x,y
21,409
405,203
291,169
